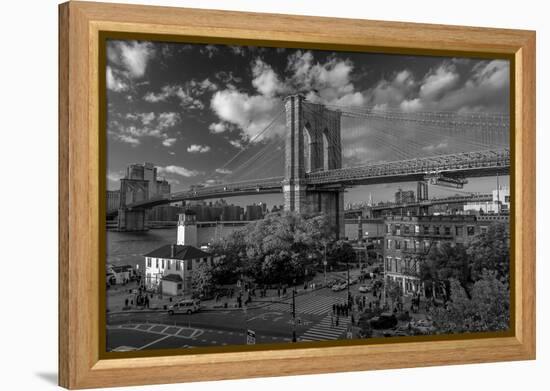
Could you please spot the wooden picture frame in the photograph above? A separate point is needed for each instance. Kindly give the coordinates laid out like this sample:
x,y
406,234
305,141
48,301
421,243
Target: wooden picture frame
x,y
81,363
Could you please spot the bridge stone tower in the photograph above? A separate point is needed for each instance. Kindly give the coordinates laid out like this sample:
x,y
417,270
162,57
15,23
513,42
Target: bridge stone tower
x,y
313,144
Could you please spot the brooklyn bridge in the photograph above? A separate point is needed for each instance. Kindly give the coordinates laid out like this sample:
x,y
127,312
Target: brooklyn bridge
x,y
311,153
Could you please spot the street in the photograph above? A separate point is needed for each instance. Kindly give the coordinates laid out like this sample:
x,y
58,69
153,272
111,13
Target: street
x,y
271,322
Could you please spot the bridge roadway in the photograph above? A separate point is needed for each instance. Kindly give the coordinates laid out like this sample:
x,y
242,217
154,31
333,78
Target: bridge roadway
x,y
470,164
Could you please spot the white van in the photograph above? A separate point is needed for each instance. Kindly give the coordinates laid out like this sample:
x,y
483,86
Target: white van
x,y
184,307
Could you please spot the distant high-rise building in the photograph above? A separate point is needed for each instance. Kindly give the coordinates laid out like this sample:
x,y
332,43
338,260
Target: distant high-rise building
x,y
113,199
254,212
148,172
404,196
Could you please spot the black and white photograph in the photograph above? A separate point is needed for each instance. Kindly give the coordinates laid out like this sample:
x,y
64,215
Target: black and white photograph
x,y
271,195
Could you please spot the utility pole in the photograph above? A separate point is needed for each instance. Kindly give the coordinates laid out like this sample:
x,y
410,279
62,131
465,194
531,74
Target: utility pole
x,y
294,314
498,196
349,294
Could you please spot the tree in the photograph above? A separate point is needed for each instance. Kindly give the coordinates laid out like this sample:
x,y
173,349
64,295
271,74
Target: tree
x,y
341,252
201,279
445,262
491,251
229,255
276,249
487,308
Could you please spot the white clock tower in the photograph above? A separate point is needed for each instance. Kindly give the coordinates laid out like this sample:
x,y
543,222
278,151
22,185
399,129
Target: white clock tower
x,y
187,228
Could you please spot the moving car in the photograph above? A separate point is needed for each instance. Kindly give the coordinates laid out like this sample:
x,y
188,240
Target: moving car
x,y
184,307
339,287
365,288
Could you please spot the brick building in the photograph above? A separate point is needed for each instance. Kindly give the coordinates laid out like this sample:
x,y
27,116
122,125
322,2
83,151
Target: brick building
x,y
408,239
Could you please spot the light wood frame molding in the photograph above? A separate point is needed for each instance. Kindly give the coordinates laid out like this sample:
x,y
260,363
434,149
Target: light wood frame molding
x,y
80,361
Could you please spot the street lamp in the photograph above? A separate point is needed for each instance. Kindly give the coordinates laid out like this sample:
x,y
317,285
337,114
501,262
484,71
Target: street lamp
x,y
325,263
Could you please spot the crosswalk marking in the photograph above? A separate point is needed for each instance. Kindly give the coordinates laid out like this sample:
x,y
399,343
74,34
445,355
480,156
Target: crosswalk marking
x,y
312,305
325,330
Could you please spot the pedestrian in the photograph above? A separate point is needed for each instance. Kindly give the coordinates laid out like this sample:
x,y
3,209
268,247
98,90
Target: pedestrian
x,y
334,308
331,320
126,302
337,320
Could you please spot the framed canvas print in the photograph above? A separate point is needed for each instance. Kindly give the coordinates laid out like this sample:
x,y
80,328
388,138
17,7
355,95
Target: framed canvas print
x,y
247,195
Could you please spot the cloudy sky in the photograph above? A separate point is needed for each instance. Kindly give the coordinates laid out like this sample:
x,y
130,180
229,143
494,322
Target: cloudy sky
x,y
190,108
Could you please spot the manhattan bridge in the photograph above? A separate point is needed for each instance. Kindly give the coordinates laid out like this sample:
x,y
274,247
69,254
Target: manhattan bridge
x,y
312,152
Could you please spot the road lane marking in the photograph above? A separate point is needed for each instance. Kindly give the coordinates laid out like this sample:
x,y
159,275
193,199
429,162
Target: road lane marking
x,y
154,342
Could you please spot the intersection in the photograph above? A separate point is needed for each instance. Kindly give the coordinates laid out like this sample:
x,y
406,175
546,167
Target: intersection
x,y
272,322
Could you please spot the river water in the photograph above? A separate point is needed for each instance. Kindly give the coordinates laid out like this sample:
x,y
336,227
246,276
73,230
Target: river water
x,y
128,248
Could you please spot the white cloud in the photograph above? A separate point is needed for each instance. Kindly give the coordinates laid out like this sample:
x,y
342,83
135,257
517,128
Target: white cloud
x,y
115,83
394,91
227,77
209,50
219,127
168,142
238,50
114,176
265,80
168,120
223,171
133,141
236,143
437,82
251,113
139,125
135,56
197,148
187,100
178,170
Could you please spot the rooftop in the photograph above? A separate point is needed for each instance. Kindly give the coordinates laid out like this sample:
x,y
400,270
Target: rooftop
x,y
181,252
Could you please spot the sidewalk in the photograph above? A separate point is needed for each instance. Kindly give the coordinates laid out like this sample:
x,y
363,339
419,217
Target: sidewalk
x,y
121,298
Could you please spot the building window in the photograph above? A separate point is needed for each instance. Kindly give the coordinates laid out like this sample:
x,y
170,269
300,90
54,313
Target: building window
x,y
471,230
148,262
416,229
426,245
168,262
388,244
190,264
157,263
388,264
397,265
388,228
178,265
405,244
398,229
447,230
163,263
398,244
426,229
507,199
483,230
459,230
406,229
436,230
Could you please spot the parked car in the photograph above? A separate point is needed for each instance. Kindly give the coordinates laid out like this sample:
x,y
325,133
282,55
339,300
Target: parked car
x,y
184,307
365,288
385,320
